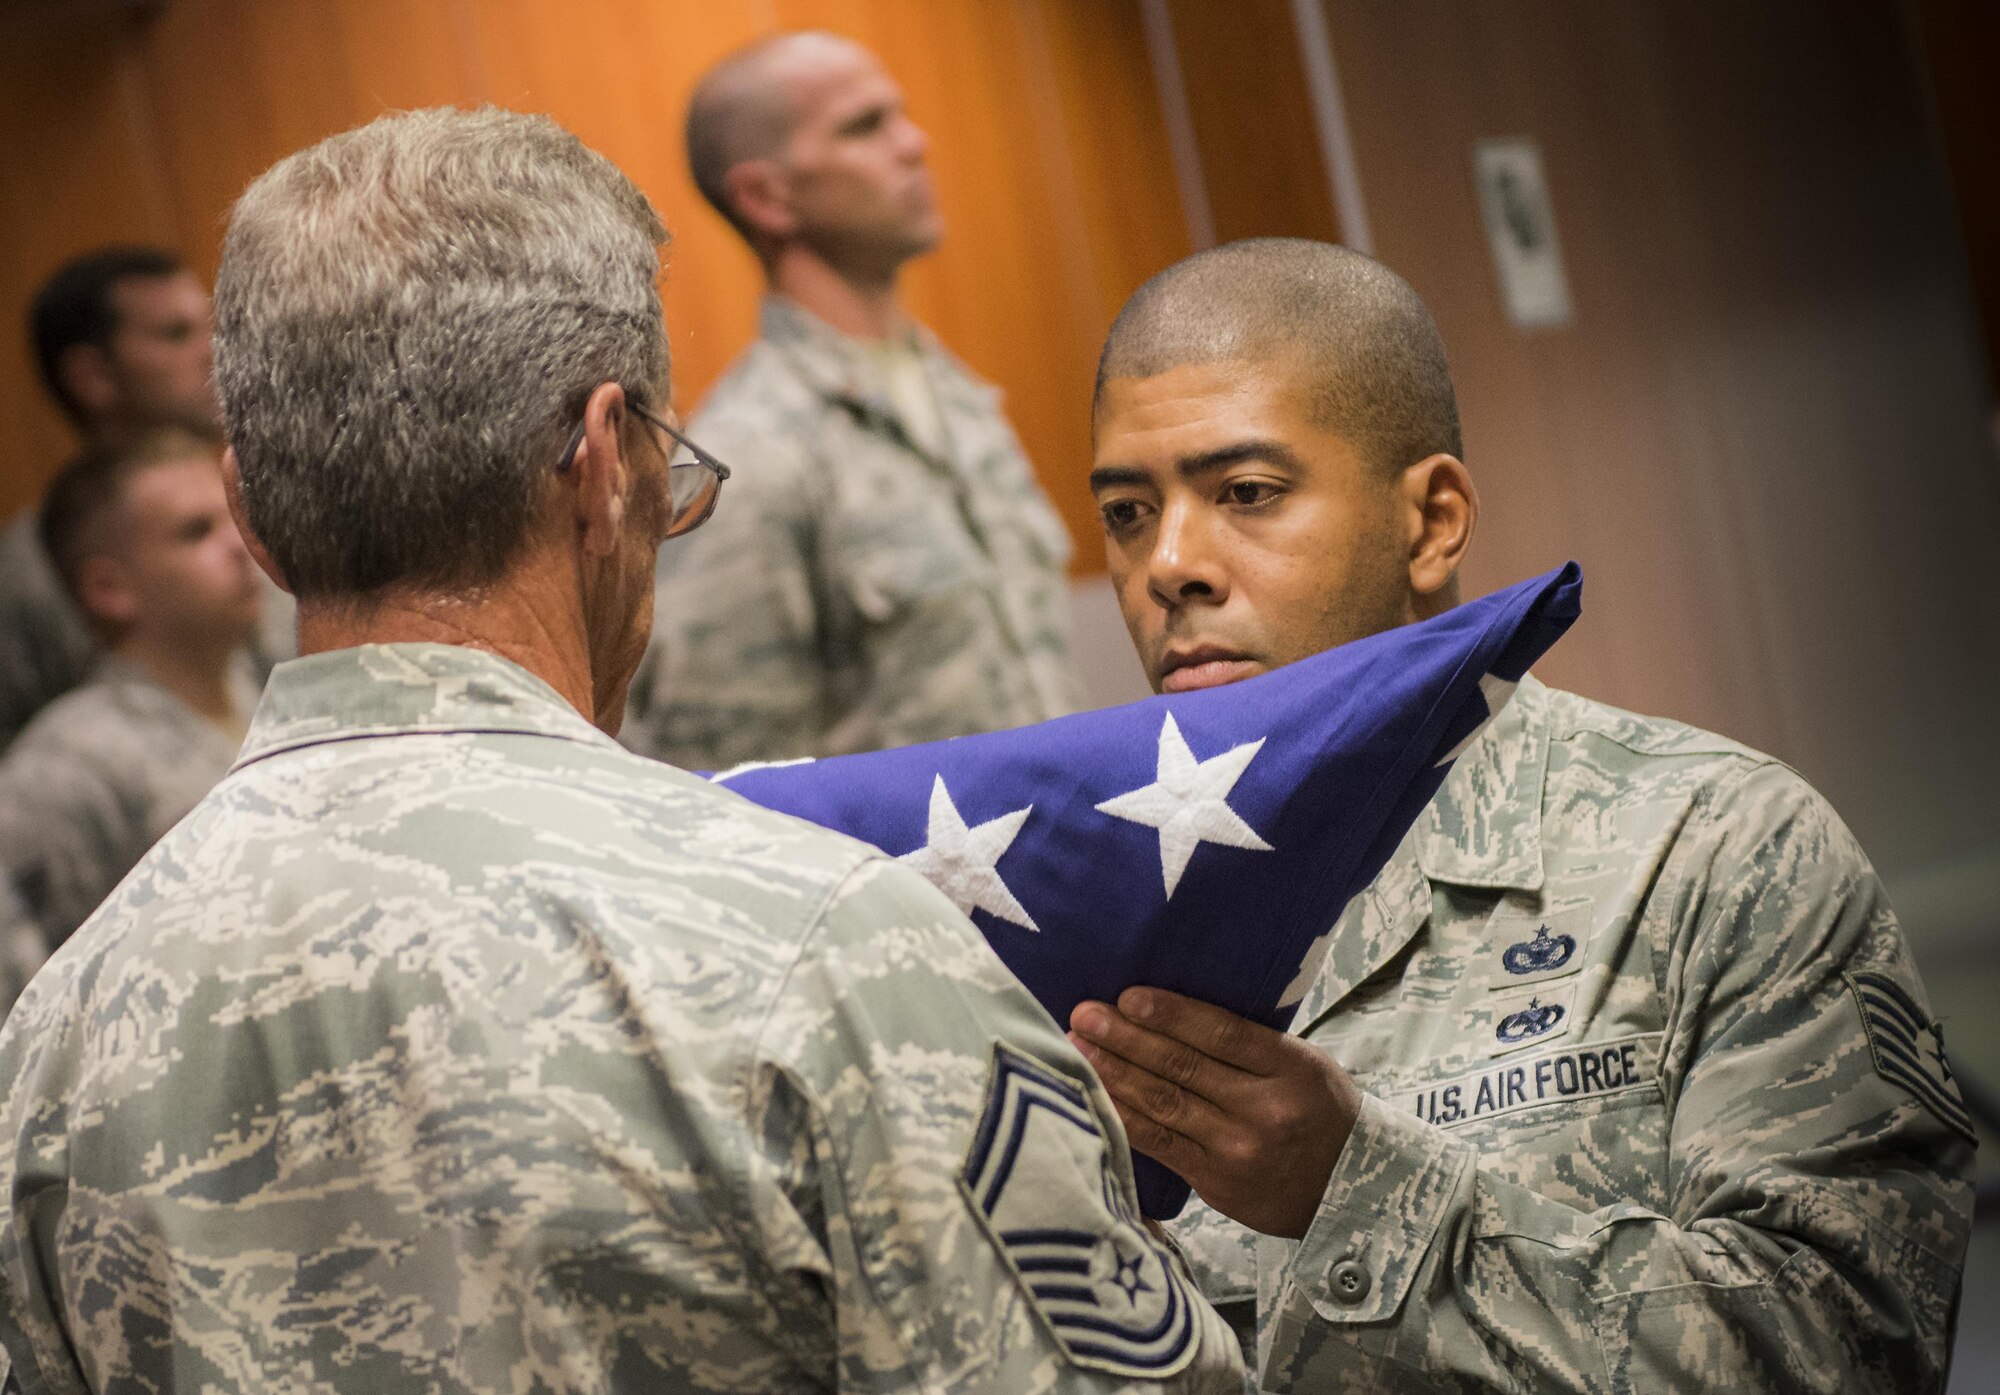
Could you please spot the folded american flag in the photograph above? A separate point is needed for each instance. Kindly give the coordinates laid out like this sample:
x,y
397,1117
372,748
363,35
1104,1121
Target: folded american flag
x,y
1203,842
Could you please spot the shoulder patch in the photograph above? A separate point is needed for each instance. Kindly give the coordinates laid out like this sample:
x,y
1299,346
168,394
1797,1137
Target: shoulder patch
x,y
1908,1048
1039,1178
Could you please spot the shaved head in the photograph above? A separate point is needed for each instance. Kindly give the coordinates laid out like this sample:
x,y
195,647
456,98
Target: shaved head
x,y
1364,350
743,109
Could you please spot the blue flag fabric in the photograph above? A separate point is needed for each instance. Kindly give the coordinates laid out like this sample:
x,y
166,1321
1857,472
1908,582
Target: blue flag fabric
x,y
1203,842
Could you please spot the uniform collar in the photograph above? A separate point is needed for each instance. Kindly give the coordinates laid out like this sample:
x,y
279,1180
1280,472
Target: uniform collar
x,y
136,686
847,371
404,689
113,671
835,365
1484,829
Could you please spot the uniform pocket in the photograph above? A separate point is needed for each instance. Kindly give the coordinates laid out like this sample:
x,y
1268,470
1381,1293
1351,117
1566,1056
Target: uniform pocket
x,y
902,544
898,572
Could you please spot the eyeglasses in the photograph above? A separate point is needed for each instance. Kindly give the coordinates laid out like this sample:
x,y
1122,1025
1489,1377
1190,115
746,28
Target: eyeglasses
x,y
693,483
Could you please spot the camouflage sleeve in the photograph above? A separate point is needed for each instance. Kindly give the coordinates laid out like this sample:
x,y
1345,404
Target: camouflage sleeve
x,y
1222,1256
734,672
1816,1162
960,1173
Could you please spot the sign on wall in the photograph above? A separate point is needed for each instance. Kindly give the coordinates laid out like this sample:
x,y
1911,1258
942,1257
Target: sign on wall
x,y
1521,230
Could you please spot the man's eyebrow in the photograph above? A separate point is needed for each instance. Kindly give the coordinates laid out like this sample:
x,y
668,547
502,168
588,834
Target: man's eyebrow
x,y
873,112
1105,476
1202,463
1222,457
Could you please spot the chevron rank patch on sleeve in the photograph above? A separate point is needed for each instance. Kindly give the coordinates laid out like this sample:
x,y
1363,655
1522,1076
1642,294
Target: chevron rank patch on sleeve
x,y
1113,1299
1908,1048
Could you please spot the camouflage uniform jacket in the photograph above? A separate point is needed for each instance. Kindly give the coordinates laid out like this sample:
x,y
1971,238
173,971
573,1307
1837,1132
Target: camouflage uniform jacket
x,y
45,647
1653,1101
447,1046
854,590
96,779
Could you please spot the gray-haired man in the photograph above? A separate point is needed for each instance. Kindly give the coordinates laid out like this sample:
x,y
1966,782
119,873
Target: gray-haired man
x,y
448,1046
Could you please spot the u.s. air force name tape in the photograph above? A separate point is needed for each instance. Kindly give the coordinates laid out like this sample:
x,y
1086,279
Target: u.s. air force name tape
x,y
1908,1047
1576,1071
1039,1178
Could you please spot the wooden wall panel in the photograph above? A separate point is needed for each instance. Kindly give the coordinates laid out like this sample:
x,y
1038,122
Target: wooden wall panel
x,y
1046,141
1538,406
1114,148
1961,43
78,169
1253,120
1763,435
296,74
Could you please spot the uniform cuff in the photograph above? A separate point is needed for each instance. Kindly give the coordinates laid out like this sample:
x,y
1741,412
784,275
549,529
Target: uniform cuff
x,y
1387,1196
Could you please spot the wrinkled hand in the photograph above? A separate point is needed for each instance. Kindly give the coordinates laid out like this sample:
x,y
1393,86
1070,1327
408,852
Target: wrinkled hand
x,y
1253,1119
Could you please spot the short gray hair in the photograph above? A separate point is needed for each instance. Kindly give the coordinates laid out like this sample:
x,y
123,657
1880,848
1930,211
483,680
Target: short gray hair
x,y
409,318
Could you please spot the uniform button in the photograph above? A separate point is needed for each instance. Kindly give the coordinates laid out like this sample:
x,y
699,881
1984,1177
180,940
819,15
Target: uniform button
x,y
1350,1281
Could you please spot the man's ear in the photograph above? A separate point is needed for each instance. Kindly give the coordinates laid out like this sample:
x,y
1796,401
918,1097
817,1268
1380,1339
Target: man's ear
x,y
761,193
1441,509
600,477
105,592
232,490
84,370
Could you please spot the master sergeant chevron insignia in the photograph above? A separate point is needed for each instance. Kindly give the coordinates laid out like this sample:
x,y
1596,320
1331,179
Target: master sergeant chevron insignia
x,y
1113,1298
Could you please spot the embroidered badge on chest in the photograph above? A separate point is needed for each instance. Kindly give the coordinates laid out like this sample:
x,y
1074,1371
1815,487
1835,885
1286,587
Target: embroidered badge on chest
x,y
1530,1017
1908,1047
1540,954
1537,1019
1546,944
1039,1178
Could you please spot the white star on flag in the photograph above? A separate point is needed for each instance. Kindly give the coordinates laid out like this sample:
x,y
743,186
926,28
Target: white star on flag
x,y
1188,802
960,861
